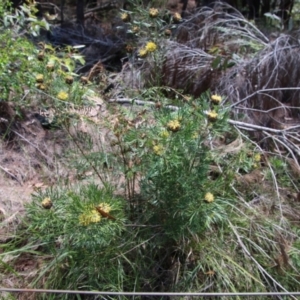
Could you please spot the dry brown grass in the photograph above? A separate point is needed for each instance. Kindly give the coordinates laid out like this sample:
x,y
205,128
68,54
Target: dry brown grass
x,y
266,88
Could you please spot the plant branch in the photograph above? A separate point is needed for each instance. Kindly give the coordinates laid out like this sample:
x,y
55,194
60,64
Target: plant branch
x,y
10,174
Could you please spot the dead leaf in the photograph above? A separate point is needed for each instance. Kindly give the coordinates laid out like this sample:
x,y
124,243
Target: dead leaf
x,y
38,185
295,168
210,273
233,147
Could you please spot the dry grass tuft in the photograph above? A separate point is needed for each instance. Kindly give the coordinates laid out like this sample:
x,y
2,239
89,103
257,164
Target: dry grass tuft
x,y
266,88
28,152
265,91
221,24
188,69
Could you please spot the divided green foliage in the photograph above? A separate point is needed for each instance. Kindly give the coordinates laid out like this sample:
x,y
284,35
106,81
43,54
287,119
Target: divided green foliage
x,y
46,73
71,213
16,65
79,240
34,74
181,195
5,6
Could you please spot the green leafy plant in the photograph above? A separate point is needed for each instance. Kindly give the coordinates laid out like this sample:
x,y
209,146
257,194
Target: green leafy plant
x,y
25,18
40,76
80,230
16,65
4,7
181,195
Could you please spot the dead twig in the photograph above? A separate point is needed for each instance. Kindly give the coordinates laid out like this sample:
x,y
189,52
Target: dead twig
x,y
11,175
26,140
140,102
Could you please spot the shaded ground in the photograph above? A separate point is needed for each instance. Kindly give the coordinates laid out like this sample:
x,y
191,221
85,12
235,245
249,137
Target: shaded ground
x,y
12,199
29,159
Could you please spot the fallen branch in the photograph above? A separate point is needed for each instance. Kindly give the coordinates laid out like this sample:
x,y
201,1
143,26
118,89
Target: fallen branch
x,y
262,128
34,146
140,102
263,91
10,174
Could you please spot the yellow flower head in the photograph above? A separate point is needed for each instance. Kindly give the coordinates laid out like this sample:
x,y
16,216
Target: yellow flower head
x,y
177,18
39,78
50,66
125,17
209,197
257,157
216,99
129,48
212,116
47,203
153,12
62,95
40,86
94,216
151,47
69,79
105,207
173,125
143,52
91,216
195,135
135,29
168,32
158,149
41,55
164,134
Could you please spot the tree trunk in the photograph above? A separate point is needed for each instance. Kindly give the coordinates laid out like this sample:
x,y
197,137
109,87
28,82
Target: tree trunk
x,y
285,9
80,12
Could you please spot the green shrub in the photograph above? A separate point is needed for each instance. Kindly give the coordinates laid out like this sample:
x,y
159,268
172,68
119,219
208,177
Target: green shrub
x,y
5,6
181,195
36,75
80,229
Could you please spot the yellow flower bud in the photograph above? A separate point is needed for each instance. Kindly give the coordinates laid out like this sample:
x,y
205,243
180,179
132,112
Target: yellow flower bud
x,y
153,12
69,79
168,32
257,157
173,125
177,18
39,78
125,17
47,203
209,197
50,66
212,116
216,99
41,55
